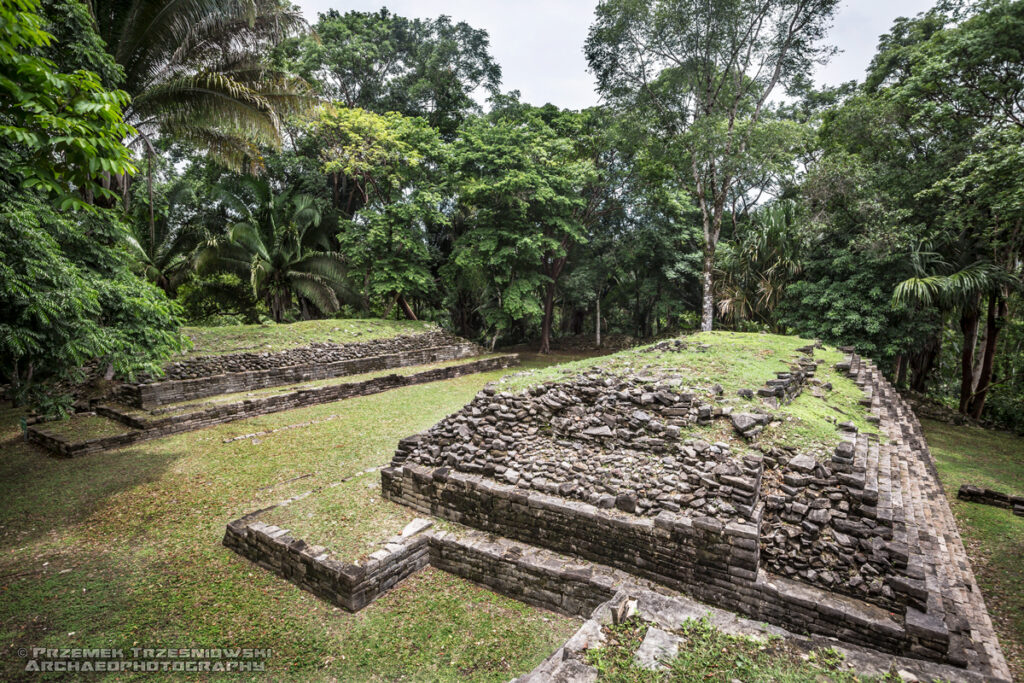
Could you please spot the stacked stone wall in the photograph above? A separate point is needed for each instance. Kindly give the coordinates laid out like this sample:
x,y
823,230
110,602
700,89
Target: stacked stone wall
x,y
985,496
347,585
180,390
144,429
315,353
702,557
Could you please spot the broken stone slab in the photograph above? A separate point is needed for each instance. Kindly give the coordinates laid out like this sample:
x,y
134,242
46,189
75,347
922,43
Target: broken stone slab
x,y
588,636
416,526
803,463
659,648
744,422
572,671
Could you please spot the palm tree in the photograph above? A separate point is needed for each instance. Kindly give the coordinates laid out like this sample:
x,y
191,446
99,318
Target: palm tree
x,y
165,248
281,245
196,73
958,283
755,267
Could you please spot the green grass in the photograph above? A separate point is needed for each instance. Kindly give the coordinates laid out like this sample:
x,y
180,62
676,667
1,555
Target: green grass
x,y
83,428
343,518
707,654
733,360
214,341
123,548
994,537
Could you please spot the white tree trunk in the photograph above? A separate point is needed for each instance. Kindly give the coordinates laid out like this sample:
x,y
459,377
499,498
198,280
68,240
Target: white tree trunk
x,y
598,322
708,302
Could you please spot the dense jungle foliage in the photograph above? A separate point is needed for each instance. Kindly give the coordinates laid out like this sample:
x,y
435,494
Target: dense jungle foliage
x,y
218,162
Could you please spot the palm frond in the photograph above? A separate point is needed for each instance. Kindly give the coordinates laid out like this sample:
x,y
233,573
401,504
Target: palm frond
x,y
317,291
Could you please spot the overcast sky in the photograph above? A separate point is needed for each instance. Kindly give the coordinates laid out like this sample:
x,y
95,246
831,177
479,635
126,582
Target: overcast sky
x,y
539,43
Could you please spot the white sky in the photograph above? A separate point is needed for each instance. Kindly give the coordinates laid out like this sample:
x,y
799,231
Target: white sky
x,y
539,43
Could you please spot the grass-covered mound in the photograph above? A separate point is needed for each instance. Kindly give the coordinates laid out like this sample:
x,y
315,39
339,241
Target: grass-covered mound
x,y
716,366
215,341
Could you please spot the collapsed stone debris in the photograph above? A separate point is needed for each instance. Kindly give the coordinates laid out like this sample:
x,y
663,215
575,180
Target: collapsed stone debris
x,y
587,493
604,467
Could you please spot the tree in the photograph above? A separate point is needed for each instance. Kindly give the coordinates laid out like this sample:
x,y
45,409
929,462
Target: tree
x,y
955,78
166,239
382,62
68,298
196,73
390,164
63,131
758,263
702,73
523,192
278,243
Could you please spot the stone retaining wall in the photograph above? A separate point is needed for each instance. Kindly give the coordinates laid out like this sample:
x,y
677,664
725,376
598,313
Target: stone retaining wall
x,y
977,494
547,580
252,407
702,557
178,391
673,549
311,568
315,353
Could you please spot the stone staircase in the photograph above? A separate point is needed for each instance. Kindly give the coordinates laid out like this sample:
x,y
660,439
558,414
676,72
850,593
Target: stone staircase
x,y
946,604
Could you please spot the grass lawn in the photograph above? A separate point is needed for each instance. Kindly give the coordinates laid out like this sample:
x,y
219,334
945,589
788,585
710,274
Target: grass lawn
x,y
122,549
214,341
83,428
994,536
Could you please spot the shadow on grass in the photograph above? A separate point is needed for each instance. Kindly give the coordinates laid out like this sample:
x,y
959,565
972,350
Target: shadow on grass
x,y
42,494
994,537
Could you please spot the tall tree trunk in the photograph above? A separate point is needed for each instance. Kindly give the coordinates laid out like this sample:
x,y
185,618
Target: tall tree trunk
x,y
549,310
997,312
707,315
390,306
406,308
597,327
969,329
125,194
923,362
901,370
152,218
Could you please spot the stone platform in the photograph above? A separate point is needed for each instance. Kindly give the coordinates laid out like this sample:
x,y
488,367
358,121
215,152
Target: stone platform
x,y
859,546
215,375
142,425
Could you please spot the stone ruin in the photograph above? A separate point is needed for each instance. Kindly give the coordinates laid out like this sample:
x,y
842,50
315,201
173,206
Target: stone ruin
x,y
859,546
210,390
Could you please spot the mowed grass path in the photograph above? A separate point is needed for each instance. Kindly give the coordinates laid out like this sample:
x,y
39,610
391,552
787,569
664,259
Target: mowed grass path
x,y
123,549
994,537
